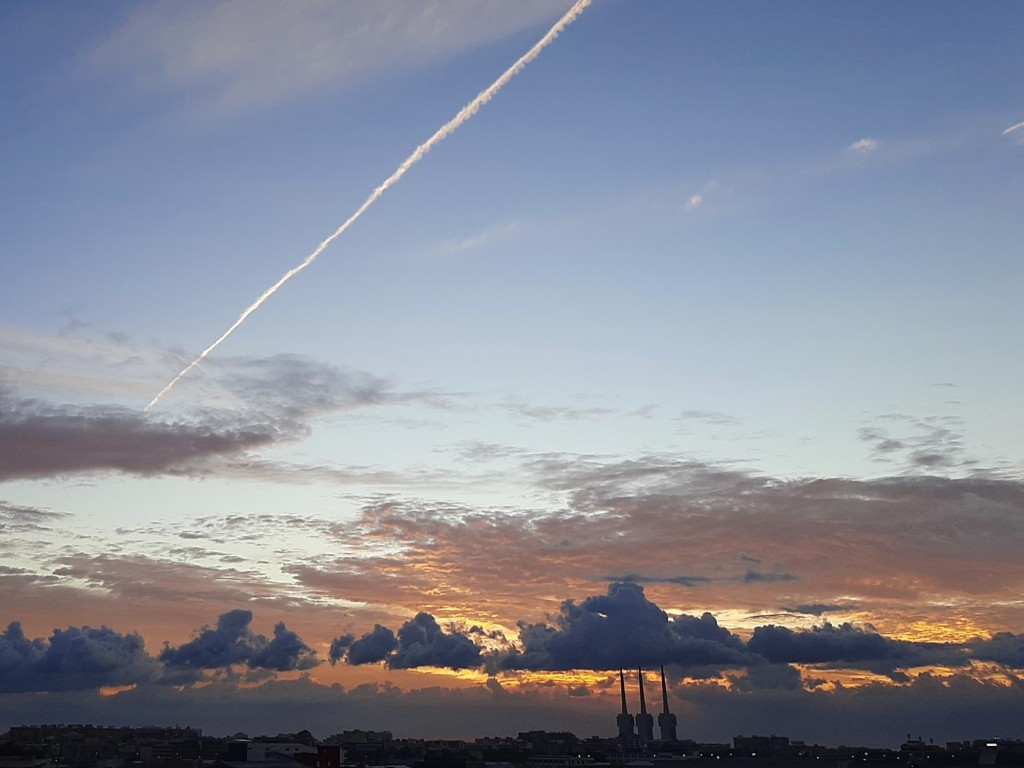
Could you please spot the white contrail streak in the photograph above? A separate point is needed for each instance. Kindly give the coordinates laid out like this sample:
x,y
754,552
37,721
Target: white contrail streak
x,y
442,133
1012,128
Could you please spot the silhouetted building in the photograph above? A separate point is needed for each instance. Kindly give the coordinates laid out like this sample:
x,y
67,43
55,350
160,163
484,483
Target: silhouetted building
x,y
624,720
666,720
761,746
644,721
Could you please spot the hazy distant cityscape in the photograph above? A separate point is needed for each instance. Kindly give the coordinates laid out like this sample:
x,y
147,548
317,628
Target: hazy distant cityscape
x,y
97,746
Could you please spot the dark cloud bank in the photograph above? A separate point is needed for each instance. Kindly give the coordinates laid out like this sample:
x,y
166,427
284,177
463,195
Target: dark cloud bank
x,y
80,658
623,629
619,629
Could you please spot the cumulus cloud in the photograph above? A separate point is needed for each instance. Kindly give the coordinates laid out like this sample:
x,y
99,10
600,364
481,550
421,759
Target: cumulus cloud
x,y
283,653
339,647
371,648
623,629
423,643
233,642
619,629
75,658
420,642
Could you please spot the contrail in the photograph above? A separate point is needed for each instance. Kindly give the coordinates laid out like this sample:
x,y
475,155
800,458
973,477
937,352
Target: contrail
x,y
442,133
1013,128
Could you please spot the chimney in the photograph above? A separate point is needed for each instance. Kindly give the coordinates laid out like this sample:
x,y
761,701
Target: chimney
x,y
666,720
644,721
625,720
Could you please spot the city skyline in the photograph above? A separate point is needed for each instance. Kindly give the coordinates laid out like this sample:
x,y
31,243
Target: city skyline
x,y
698,346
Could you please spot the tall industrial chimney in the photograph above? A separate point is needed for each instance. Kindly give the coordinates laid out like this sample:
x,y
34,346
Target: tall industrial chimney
x,y
624,720
666,720
644,721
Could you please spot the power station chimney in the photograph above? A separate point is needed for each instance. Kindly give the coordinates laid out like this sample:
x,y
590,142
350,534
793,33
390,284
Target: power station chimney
x,y
666,720
624,720
644,721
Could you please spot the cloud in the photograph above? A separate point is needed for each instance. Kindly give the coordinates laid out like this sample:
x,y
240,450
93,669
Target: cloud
x,y
546,413
769,677
1016,130
17,518
1003,648
623,629
232,642
928,444
371,648
752,575
229,57
484,239
339,647
37,440
685,581
165,580
226,644
813,609
284,652
450,560
849,646
273,398
72,659
863,146
420,642
295,388
709,417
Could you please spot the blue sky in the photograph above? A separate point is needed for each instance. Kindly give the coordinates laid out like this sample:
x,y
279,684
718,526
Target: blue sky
x,y
736,279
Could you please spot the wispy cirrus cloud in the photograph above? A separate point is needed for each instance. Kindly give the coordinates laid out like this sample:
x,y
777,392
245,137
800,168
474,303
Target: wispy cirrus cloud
x,y
716,418
226,60
500,233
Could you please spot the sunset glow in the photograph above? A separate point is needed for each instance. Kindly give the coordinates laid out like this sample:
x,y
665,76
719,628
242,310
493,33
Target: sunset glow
x,y
697,347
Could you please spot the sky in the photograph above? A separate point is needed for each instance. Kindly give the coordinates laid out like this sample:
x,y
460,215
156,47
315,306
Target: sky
x,y
698,345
